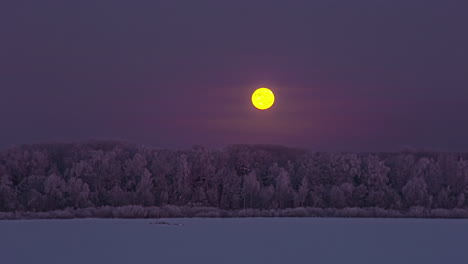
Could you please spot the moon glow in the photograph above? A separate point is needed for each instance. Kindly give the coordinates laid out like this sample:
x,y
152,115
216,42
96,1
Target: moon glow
x,y
263,98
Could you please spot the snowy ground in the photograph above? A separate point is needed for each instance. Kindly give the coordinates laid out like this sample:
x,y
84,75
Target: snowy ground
x,y
239,241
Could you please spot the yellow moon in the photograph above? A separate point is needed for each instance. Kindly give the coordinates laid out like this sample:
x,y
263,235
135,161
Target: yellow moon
x,y
263,98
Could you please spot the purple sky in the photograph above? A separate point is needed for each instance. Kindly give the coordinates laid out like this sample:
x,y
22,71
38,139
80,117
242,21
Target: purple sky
x,y
360,75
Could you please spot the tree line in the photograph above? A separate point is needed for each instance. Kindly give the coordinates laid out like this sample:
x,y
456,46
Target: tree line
x,y
94,174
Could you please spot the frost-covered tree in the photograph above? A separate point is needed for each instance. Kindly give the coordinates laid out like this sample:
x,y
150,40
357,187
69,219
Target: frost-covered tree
x,y
250,189
461,200
231,190
8,197
117,196
283,188
415,192
266,196
337,197
144,195
442,200
376,178
303,192
54,190
77,193
181,191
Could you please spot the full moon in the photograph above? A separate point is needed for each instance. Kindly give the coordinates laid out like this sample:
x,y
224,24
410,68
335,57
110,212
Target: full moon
x,y
263,98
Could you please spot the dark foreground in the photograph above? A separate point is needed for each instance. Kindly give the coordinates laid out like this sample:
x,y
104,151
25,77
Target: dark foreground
x,y
235,240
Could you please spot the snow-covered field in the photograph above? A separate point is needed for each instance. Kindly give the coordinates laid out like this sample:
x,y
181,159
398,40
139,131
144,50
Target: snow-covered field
x,y
239,241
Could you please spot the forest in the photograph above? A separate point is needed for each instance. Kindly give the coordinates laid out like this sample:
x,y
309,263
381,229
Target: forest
x,y
121,179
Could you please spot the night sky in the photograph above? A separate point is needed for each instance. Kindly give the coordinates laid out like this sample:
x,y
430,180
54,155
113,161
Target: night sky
x,y
363,75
